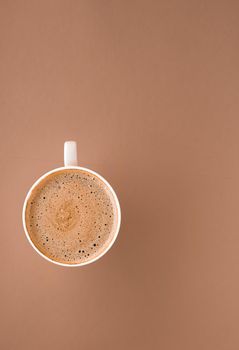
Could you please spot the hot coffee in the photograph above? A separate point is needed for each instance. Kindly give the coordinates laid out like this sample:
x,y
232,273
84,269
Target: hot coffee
x,y
71,216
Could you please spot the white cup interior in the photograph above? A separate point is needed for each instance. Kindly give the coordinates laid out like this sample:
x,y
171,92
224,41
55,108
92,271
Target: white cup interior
x,y
118,216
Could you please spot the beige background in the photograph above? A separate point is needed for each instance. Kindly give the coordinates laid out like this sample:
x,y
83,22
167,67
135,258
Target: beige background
x,y
150,91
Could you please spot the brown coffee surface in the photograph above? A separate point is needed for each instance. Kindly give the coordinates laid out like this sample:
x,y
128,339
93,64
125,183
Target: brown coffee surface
x,y
71,216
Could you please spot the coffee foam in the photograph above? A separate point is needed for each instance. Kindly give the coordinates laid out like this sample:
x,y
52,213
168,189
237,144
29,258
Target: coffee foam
x,y
71,216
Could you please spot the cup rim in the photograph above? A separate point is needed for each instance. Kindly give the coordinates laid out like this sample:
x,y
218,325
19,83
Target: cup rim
x,y
117,208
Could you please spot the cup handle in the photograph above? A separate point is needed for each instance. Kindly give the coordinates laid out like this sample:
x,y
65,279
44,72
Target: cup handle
x,y
70,154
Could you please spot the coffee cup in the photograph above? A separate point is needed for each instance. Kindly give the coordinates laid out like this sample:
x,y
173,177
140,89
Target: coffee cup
x,y
71,215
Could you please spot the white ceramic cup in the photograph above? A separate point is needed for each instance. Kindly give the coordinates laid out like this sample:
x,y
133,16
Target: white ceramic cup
x,y
70,162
